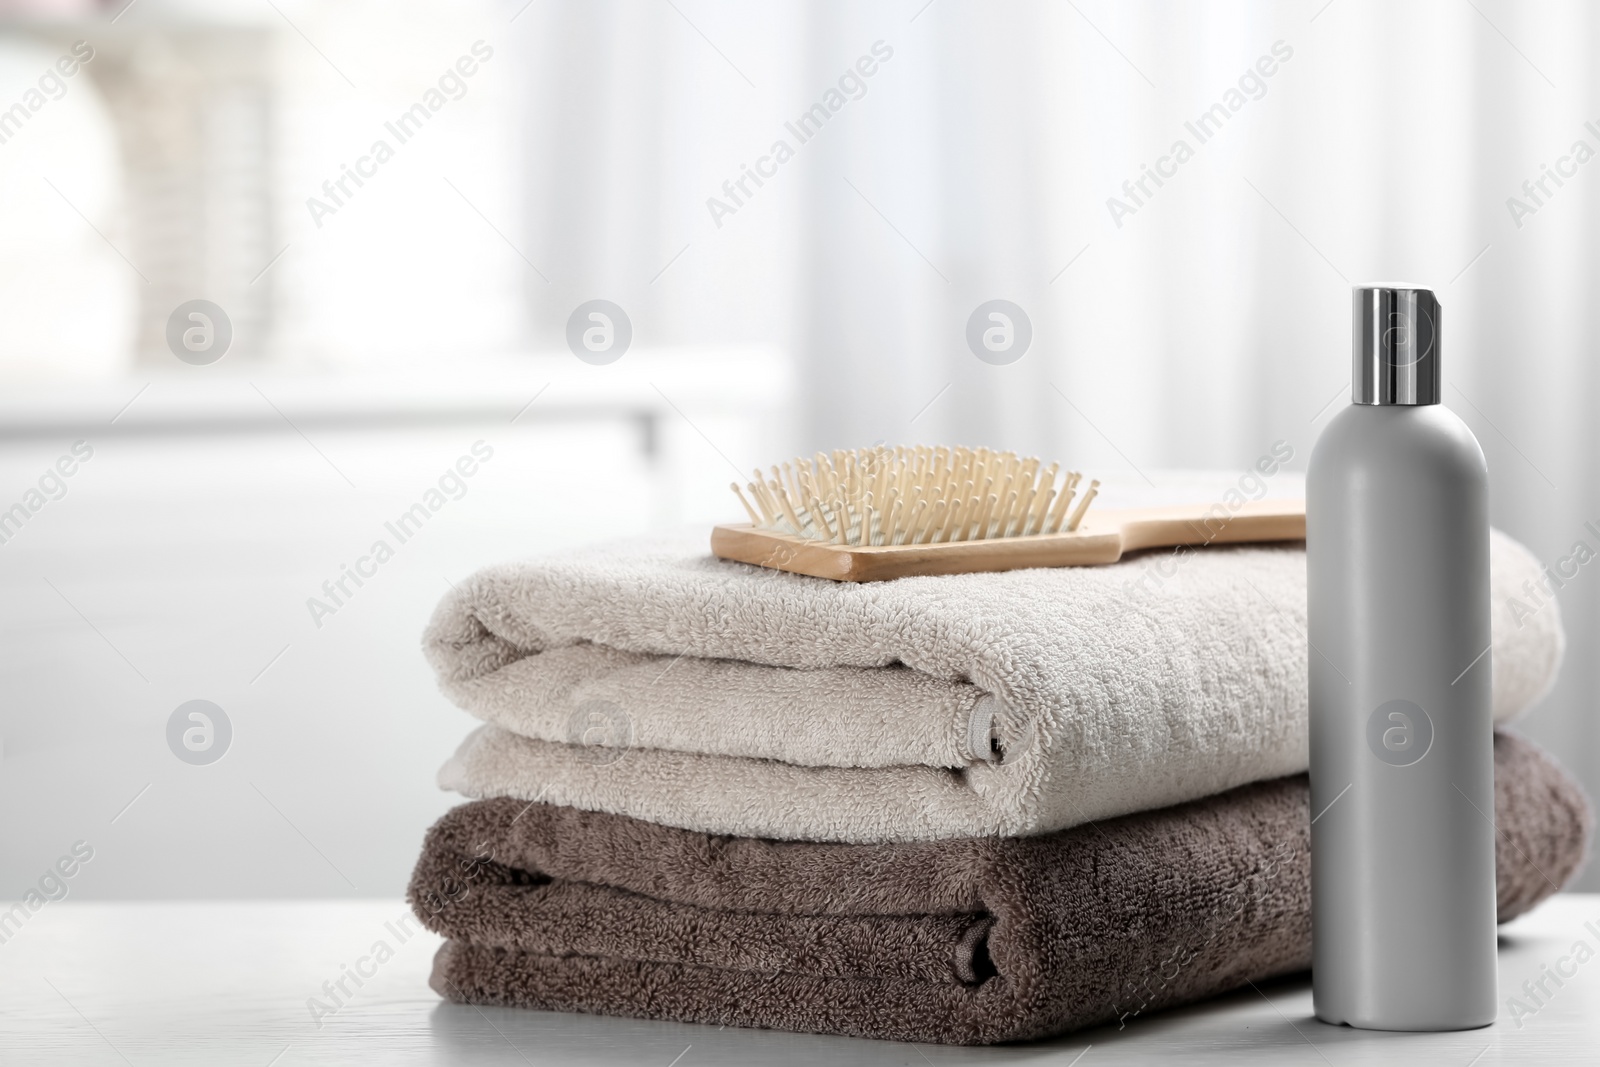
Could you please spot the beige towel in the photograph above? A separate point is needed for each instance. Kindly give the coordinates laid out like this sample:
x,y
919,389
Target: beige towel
x,y
727,698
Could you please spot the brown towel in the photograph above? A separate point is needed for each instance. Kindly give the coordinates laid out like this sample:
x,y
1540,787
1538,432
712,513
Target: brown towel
x,y
965,941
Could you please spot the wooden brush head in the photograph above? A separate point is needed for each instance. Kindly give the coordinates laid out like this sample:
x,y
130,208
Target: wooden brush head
x,y
915,496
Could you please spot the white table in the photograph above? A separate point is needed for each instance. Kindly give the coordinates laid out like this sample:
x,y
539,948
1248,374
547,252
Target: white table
x,y
227,983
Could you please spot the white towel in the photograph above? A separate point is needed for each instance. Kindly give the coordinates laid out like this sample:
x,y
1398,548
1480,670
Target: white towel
x,y
657,682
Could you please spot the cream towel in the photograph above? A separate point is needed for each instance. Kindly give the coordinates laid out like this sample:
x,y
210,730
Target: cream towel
x,y
731,699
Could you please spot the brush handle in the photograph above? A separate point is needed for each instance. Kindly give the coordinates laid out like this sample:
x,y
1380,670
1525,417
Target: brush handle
x,y
1104,536
1202,524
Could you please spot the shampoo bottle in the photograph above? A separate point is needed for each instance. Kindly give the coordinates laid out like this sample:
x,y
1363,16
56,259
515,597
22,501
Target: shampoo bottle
x,y
1402,745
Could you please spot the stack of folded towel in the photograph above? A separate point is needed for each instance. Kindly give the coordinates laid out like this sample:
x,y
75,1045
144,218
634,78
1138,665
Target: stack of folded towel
x,y
964,809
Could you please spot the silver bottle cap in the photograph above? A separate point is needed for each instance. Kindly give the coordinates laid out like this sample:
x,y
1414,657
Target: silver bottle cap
x,y
1396,345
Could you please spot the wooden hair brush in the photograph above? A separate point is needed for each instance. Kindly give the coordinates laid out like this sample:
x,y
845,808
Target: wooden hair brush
x,y
880,513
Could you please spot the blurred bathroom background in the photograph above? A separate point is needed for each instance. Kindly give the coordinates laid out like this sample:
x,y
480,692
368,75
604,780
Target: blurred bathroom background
x,y
389,309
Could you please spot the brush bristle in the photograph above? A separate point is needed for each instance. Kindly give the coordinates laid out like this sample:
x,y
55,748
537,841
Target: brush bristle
x,y
915,496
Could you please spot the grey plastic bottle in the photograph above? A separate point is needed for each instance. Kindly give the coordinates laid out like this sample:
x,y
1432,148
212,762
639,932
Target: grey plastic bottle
x,y
1402,746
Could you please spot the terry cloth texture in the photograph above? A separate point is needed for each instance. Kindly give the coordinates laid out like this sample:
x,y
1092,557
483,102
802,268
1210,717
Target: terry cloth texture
x,y
658,682
966,941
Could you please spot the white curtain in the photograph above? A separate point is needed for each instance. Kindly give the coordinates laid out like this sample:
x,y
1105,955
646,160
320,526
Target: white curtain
x,y
978,164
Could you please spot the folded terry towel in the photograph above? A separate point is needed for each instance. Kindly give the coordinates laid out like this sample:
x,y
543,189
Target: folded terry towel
x,y
922,708
968,941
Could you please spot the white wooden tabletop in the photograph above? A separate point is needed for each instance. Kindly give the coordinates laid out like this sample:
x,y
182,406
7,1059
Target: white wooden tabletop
x,y
229,983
